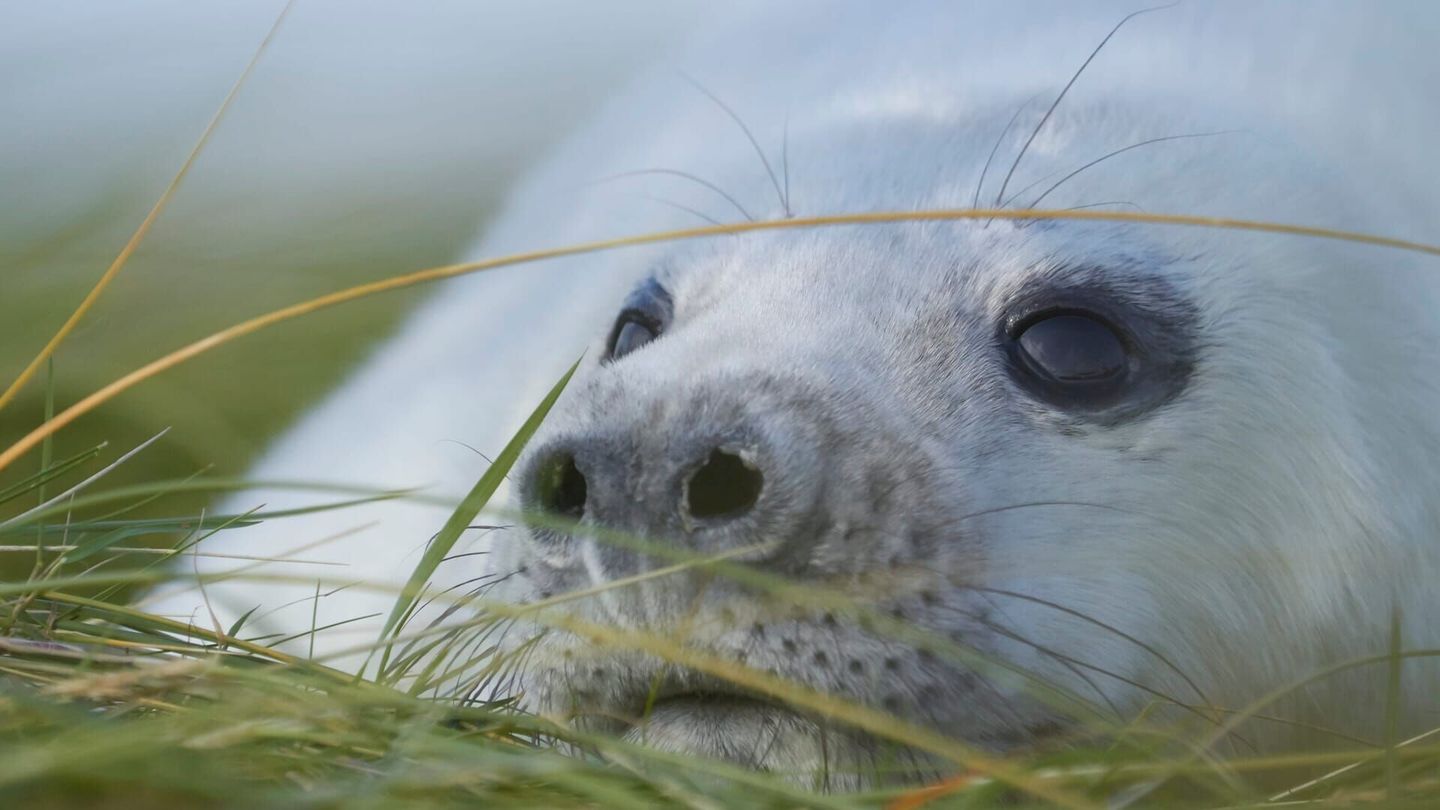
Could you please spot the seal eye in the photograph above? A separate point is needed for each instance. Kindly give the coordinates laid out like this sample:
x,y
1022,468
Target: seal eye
x,y
1098,353
1072,349
645,316
630,334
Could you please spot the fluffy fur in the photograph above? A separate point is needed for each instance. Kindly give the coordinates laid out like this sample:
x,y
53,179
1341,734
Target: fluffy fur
x,y
1260,524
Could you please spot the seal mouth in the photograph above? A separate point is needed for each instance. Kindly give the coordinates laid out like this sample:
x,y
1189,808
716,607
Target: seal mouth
x,y
685,712
704,702
709,703
740,729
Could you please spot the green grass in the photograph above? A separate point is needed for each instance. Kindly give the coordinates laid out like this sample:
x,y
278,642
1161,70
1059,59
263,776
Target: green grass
x,y
105,705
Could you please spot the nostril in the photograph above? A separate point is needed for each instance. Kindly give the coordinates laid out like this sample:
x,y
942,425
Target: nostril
x,y
560,488
726,486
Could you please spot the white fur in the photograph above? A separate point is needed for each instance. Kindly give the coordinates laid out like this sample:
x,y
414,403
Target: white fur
x,y
1274,514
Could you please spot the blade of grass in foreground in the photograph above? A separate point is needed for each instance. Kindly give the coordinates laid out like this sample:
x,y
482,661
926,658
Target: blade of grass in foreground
x,y
465,514
48,473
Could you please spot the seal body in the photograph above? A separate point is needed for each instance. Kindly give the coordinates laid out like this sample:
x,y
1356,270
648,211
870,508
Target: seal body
x,y
1222,489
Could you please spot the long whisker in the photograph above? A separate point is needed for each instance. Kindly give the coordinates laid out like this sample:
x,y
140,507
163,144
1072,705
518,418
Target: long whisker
x,y
485,583
499,665
774,181
1075,670
498,681
462,659
466,555
1017,719
677,206
1103,625
1107,202
1106,157
501,680
785,161
1056,103
688,176
1030,504
1061,657
984,170
475,450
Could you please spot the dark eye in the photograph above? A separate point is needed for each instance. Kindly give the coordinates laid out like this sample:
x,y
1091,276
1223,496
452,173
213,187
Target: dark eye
x,y
1072,359
1098,354
630,334
643,318
1073,348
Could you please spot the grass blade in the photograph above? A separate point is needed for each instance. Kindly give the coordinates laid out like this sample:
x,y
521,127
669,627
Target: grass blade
x,y
30,513
465,514
49,473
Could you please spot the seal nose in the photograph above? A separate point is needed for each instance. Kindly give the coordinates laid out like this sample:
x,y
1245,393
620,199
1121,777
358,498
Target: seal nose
x,y
725,486
560,487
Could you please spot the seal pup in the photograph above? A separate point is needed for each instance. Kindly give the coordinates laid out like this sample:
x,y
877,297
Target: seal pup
x,y
1136,462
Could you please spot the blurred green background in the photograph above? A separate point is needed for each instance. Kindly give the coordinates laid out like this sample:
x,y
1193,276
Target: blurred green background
x,y
372,139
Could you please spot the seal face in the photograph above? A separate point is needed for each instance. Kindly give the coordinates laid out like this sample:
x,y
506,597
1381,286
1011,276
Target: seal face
x,y
1005,481
997,479
754,401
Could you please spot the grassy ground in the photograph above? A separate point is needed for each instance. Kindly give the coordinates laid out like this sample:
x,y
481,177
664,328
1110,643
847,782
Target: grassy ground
x,y
104,705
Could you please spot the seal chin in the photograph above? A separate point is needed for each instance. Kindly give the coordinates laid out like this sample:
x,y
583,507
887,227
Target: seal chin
x,y
752,734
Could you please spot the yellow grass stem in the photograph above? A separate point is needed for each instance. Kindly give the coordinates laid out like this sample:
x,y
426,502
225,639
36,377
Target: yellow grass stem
x,y
293,311
140,233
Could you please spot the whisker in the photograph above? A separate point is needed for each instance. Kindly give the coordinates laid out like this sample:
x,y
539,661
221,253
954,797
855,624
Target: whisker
x,y
1056,103
1059,656
451,608
686,175
1106,157
500,666
785,161
487,581
1030,504
462,654
475,450
1159,656
1107,202
677,206
467,446
499,682
483,528
984,170
774,181
501,630
466,554
1074,670
1017,719
759,755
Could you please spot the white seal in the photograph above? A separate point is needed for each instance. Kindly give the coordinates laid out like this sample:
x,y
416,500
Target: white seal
x,y
1138,462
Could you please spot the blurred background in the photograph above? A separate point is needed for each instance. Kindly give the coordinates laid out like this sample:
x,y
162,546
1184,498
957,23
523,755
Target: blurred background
x,y
373,138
